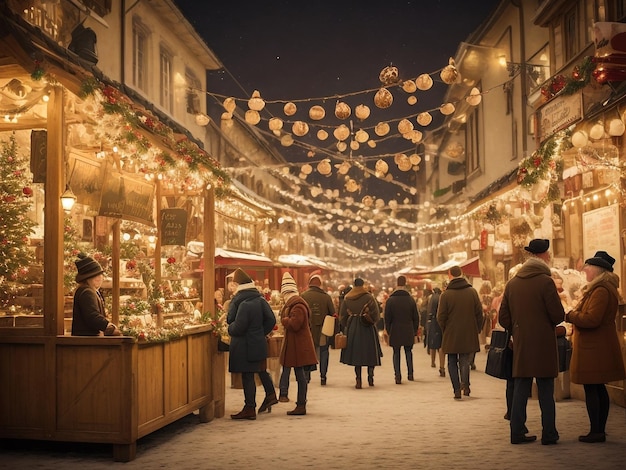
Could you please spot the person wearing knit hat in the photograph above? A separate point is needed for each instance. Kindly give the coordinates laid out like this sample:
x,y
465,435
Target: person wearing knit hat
x,y
88,313
322,307
250,319
298,351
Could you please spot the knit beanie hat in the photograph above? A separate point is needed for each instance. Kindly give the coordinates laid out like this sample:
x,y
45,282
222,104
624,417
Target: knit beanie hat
x,y
315,280
87,267
240,277
288,284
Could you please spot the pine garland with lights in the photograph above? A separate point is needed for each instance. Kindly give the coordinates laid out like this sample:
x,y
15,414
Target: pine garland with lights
x,y
15,225
561,85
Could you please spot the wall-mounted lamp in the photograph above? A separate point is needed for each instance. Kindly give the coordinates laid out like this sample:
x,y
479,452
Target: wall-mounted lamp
x,y
68,199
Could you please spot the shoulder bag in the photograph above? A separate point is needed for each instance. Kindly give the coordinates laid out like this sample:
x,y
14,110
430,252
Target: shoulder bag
x,y
500,356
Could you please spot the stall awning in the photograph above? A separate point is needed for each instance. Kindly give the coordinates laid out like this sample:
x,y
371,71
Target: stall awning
x,y
227,258
469,267
301,261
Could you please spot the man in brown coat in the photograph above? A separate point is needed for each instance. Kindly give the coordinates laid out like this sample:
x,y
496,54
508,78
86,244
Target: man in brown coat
x,y
531,309
460,315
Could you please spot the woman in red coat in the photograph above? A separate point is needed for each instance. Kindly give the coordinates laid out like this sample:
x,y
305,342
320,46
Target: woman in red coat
x,y
596,353
298,350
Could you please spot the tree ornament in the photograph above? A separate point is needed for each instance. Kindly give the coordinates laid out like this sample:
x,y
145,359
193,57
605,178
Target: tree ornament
x,y
362,112
424,118
424,82
256,103
290,109
382,129
342,110
230,105
317,113
449,73
388,75
383,98
300,128
27,191
409,86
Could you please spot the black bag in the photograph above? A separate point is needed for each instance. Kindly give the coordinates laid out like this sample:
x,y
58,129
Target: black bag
x,y
499,356
564,346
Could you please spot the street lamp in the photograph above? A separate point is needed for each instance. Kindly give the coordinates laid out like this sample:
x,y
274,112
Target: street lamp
x,y
68,199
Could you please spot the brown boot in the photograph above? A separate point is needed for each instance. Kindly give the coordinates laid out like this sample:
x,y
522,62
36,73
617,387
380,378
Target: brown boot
x,y
299,410
358,383
268,402
246,413
442,372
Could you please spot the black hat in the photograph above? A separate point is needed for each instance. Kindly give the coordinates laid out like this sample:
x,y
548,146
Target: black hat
x,y
87,267
401,281
602,259
538,246
358,282
240,277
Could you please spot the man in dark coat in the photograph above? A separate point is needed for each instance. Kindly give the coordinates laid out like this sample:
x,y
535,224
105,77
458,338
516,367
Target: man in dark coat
x,y
321,305
401,323
460,316
250,318
531,309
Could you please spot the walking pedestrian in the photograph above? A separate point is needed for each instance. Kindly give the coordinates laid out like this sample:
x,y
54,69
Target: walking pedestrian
x,y
434,333
250,319
298,351
460,317
358,316
596,354
321,305
401,323
531,309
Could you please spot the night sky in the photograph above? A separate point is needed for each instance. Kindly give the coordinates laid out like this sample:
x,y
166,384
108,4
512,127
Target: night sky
x,y
295,50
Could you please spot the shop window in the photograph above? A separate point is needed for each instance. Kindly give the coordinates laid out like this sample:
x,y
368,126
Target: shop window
x,y
140,56
193,88
165,77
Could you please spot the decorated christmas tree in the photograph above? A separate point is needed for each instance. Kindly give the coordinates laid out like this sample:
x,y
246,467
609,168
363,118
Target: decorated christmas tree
x,y
15,225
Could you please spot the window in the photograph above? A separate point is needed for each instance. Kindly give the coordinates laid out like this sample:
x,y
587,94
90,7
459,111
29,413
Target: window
x,y
570,30
140,56
471,144
193,89
165,77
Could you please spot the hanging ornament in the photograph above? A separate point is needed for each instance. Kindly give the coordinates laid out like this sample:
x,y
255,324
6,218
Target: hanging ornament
x,y
317,113
405,126
424,119
383,98
252,117
449,73
343,168
424,82
381,167
341,132
403,162
474,97
342,110
286,140
446,109
411,100
388,75
382,129
27,191
354,145
616,127
371,144
414,136
230,105
275,124
367,201
415,159
256,103
351,186
290,109
362,112
322,134
597,131
342,146
361,136
324,167
300,128
306,169
409,86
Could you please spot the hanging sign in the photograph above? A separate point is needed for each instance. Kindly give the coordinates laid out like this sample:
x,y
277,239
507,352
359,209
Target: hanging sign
x,y
173,226
557,114
127,198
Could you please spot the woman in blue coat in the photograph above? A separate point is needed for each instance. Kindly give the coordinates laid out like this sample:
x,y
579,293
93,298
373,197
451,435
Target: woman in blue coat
x,y
250,319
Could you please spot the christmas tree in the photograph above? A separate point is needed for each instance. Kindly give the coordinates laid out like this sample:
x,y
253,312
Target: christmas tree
x,y
15,225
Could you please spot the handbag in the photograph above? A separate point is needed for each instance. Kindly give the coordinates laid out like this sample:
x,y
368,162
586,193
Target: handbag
x,y
500,356
366,318
328,328
274,344
341,341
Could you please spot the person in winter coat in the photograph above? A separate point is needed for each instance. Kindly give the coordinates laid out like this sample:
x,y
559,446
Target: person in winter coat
x,y
531,309
321,305
434,333
88,313
250,319
363,348
298,351
596,353
460,316
401,323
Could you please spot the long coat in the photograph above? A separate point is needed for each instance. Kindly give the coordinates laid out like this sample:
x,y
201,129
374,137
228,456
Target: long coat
x,y
298,349
88,313
250,318
363,348
401,318
321,305
596,353
460,316
530,310
433,330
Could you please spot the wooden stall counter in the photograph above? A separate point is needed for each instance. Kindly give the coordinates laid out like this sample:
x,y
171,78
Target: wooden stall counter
x,y
106,389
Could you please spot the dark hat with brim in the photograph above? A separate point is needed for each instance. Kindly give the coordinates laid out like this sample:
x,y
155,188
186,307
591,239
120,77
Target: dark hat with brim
x,y
87,267
538,245
602,259
358,282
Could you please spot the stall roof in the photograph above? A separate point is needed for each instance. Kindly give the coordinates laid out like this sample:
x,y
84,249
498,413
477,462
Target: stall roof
x,y
238,258
301,260
469,267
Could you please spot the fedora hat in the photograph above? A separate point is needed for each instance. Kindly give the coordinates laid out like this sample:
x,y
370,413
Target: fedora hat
x,y
602,259
538,245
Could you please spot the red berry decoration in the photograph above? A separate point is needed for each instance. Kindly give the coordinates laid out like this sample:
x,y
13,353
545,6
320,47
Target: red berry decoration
x,y
27,191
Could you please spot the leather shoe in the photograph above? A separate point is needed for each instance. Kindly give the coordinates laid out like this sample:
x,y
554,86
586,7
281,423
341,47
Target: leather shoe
x,y
593,437
548,442
523,439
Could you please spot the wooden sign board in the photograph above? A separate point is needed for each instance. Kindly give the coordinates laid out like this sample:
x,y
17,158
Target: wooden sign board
x,y
173,226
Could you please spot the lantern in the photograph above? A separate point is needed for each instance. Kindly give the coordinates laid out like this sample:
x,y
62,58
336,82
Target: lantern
x,y
300,128
256,103
342,110
424,119
409,86
381,129
388,75
580,139
362,112
252,117
341,132
449,73
474,97
424,82
317,113
290,109
383,98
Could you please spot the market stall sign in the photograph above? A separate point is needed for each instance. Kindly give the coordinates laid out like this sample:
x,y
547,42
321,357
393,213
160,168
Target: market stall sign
x,y
127,198
561,112
173,226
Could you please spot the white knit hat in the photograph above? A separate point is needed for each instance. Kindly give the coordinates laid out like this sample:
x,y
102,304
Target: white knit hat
x,y
288,284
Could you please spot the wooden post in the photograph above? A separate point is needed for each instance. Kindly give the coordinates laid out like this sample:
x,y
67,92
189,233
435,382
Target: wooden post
x,y
208,229
115,260
157,249
53,216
